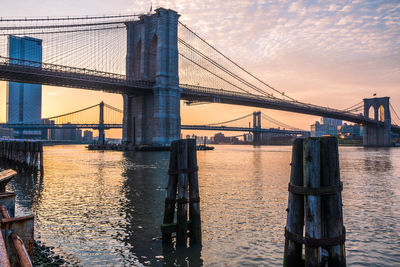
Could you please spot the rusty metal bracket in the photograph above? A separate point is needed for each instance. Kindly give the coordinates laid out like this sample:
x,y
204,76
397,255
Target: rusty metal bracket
x,y
319,191
188,170
314,242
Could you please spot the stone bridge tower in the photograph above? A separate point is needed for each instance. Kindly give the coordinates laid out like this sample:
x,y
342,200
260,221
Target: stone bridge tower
x,y
152,54
378,109
256,127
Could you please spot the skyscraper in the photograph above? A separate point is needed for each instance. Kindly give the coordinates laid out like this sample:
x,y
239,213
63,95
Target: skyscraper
x,y
24,101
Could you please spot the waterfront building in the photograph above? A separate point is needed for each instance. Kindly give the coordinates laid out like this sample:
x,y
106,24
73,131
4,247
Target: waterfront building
x,y
220,138
24,101
87,136
326,126
68,134
248,138
350,130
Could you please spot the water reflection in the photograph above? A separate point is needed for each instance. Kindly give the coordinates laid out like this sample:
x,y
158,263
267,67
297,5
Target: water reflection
x,y
106,208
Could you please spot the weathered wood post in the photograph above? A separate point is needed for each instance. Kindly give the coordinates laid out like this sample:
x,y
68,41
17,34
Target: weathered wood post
x,y
318,166
41,159
181,218
295,216
331,205
194,197
24,156
183,181
170,199
312,203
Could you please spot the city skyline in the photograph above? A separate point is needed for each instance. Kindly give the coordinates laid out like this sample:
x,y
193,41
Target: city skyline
x,y
331,54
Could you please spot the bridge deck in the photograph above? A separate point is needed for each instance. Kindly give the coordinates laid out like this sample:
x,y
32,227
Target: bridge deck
x,y
56,75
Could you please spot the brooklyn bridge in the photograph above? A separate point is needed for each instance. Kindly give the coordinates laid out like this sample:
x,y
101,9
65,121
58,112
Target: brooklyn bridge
x,y
155,61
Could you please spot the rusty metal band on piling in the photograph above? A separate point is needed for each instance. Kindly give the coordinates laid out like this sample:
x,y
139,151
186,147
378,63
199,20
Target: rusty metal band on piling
x,y
316,242
319,191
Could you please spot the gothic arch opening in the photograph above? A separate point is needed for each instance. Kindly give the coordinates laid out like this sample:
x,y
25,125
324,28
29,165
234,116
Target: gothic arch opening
x,y
381,113
138,58
371,112
153,57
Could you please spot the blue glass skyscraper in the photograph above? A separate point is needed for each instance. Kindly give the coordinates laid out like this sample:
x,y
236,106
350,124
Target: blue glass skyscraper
x,y
24,101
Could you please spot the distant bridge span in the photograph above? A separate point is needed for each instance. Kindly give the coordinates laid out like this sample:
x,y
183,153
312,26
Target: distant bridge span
x,y
31,126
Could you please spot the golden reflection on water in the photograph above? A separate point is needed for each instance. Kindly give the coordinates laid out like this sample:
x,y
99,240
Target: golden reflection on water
x,y
105,208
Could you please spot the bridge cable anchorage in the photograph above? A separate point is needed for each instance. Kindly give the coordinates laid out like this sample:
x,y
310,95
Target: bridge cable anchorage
x,y
237,65
223,68
233,120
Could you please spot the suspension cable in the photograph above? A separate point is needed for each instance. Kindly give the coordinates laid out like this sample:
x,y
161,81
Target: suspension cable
x,y
69,18
361,102
214,73
70,113
272,88
216,64
224,122
284,125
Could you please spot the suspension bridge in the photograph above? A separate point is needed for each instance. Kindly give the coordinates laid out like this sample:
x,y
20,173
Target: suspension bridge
x,y
103,117
155,61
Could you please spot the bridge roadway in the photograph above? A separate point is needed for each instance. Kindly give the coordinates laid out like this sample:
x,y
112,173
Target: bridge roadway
x,y
240,129
56,75
38,126
32,126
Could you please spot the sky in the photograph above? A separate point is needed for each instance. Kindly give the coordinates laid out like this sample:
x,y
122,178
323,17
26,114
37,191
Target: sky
x,y
330,53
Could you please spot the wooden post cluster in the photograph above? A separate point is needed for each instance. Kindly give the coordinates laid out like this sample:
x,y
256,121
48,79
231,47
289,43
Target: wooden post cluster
x,y
183,189
17,233
23,156
315,205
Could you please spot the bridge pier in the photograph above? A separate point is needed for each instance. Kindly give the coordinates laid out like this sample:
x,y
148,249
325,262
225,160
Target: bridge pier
x,y
377,136
153,118
256,128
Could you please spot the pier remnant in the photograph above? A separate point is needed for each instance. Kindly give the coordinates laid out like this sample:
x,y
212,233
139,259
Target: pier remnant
x,y
182,182
23,156
315,205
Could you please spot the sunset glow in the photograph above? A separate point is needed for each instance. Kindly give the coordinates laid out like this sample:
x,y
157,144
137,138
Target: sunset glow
x,y
330,53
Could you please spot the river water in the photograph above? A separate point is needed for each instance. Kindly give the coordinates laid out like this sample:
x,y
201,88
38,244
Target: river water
x,y
105,208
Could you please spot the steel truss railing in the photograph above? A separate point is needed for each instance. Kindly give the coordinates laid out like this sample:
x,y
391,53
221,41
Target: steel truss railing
x,y
27,66
191,92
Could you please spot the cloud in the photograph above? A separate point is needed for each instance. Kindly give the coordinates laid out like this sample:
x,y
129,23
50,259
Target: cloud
x,y
300,46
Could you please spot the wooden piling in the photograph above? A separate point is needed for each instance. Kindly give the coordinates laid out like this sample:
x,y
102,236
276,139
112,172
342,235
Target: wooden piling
x,y
182,163
312,204
41,159
194,197
23,156
331,205
170,200
182,178
295,216
324,235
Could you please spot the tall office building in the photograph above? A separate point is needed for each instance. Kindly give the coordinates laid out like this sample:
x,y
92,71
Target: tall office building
x,y
24,101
